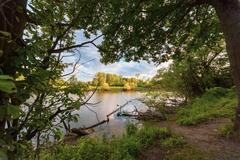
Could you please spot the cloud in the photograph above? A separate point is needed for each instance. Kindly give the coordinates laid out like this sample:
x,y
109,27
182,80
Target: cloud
x,y
87,69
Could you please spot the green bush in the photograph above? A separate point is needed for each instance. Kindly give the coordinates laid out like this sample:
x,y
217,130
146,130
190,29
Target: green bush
x,y
215,103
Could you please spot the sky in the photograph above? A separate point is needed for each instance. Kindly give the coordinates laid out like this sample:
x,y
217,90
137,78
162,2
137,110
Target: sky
x,y
90,64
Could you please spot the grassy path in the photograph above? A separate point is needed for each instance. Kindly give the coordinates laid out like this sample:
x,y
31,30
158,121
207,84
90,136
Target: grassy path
x,y
202,137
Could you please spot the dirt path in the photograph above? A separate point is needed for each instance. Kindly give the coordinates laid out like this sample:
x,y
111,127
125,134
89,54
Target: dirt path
x,y
203,137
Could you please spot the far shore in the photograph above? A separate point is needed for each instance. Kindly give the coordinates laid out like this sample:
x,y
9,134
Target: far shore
x,y
118,89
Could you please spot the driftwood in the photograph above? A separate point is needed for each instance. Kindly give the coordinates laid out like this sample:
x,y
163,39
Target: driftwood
x,y
127,114
82,132
148,115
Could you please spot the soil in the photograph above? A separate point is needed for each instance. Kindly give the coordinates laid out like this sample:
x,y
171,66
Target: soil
x,y
204,137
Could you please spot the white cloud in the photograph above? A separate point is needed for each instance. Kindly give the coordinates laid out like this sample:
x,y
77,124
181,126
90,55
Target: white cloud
x,y
87,71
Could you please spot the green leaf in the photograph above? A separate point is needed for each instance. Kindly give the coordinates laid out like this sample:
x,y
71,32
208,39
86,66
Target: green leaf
x,y
5,77
3,155
1,53
17,19
13,111
5,34
3,113
7,85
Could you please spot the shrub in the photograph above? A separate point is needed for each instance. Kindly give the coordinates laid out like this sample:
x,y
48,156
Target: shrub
x,y
106,87
127,87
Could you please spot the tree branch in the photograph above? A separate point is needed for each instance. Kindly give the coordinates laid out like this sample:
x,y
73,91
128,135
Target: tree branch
x,y
75,46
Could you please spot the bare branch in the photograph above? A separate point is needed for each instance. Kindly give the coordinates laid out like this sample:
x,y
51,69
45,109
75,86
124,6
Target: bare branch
x,y
74,67
93,112
75,46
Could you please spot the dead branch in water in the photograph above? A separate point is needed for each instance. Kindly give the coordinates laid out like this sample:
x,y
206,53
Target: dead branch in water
x,y
148,115
88,130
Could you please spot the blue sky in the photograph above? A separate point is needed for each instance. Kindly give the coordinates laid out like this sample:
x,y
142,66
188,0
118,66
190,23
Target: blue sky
x,y
86,70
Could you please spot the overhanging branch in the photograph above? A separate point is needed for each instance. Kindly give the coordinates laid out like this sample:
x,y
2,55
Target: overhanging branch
x,y
75,46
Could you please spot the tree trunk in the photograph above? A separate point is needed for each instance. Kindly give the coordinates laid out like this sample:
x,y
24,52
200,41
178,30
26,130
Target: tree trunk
x,y
12,21
228,12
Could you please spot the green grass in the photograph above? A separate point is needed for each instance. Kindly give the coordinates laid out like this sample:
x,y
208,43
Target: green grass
x,y
215,103
226,130
187,152
127,147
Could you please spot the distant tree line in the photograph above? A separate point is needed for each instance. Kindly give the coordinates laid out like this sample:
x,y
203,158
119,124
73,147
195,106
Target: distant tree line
x,y
113,80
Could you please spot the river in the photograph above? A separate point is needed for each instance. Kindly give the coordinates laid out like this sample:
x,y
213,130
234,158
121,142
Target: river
x,y
106,103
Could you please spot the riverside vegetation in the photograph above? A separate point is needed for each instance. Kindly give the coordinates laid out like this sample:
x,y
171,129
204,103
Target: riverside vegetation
x,y
113,82
214,104
199,38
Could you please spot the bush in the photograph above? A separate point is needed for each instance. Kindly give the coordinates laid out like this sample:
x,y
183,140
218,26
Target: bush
x,y
127,87
106,87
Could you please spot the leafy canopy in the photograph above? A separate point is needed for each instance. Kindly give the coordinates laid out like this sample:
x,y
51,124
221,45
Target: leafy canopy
x,y
155,30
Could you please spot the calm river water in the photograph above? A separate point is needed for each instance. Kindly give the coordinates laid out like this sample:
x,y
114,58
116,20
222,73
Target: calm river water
x,y
106,103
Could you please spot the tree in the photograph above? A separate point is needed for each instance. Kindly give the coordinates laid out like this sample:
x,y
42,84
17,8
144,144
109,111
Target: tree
x,y
153,30
191,74
111,79
33,43
101,78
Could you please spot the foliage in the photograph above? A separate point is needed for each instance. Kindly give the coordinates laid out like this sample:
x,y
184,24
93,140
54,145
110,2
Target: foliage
x,y
6,84
114,80
127,147
196,72
105,87
216,102
156,30
35,61
164,102
127,87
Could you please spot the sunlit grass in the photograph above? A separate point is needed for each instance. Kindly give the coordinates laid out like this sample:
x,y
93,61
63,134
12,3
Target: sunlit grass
x,y
215,103
127,147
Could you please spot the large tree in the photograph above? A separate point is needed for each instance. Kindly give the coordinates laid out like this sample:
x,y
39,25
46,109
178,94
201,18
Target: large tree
x,y
153,30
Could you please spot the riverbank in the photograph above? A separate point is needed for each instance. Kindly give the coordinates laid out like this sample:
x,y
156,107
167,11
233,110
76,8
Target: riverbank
x,y
200,130
116,89
127,147
206,127
201,142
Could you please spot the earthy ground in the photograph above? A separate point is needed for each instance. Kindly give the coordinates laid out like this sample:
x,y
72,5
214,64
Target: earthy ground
x,y
204,137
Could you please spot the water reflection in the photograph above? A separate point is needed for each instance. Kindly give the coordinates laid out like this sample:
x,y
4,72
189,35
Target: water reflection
x,y
109,101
